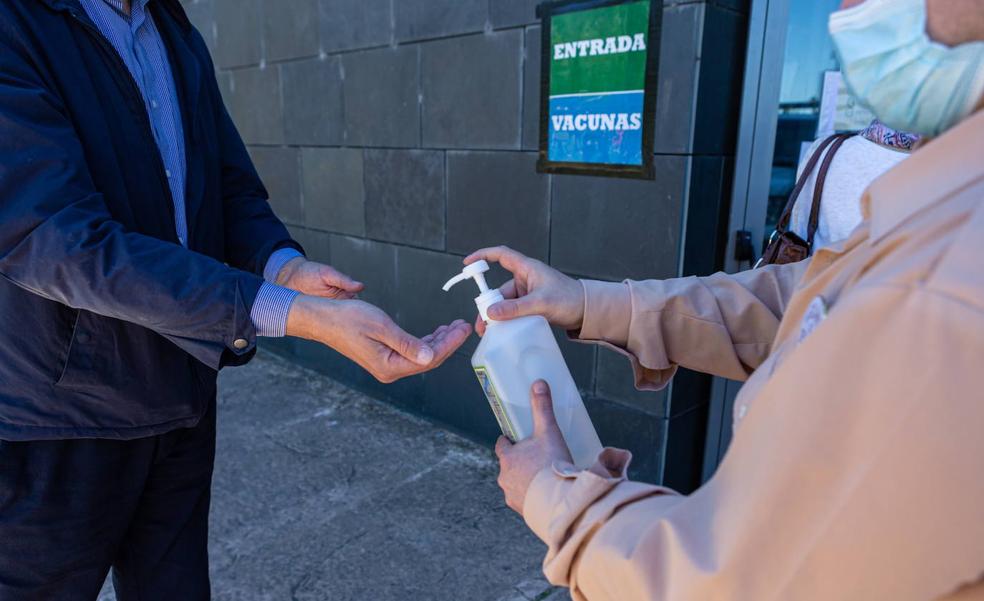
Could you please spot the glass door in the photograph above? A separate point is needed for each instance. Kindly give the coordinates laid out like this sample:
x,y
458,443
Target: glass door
x,y
792,95
810,82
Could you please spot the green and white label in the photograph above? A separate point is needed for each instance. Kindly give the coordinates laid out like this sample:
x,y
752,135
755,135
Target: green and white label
x,y
500,412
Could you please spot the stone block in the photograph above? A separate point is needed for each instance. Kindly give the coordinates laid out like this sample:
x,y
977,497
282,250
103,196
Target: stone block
x,y
332,190
202,16
224,80
351,24
711,182
678,68
616,382
255,106
405,196
619,228
428,19
471,91
238,32
510,13
280,171
684,449
313,110
628,428
497,198
720,87
382,105
531,90
290,30
580,358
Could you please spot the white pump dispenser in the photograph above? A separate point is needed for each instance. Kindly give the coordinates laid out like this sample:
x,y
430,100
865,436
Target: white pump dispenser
x,y
488,297
511,356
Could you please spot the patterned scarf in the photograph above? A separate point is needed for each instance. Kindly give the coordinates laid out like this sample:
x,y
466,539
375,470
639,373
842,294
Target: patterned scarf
x,y
879,133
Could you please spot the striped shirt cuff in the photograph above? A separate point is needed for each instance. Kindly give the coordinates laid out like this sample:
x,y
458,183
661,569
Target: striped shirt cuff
x,y
270,309
276,262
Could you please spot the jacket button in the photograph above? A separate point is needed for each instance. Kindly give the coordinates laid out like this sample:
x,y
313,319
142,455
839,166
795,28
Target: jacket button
x,y
82,338
240,343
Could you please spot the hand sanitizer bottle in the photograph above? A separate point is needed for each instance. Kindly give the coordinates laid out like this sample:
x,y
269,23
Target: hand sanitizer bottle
x,y
512,355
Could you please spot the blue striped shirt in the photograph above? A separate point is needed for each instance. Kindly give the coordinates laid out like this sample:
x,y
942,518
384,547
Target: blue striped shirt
x,y
139,45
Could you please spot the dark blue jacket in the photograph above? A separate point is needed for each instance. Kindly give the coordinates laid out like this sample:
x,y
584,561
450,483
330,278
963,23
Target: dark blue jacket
x,y
108,327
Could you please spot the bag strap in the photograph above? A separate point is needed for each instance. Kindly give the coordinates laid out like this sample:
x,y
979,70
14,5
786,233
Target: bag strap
x,y
787,212
814,223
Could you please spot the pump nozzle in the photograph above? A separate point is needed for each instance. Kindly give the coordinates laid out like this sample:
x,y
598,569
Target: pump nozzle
x,y
487,298
475,270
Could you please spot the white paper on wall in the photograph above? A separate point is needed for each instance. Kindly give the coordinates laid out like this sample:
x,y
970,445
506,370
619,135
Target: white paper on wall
x,y
839,110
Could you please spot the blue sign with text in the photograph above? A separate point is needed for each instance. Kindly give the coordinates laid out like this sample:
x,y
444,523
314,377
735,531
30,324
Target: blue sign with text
x,y
597,128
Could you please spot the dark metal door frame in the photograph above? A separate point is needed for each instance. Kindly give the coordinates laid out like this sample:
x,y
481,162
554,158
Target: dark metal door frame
x,y
768,24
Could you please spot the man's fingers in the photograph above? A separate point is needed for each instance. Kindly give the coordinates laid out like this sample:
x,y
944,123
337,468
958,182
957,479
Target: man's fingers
x,y
440,334
509,291
333,277
544,420
514,305
449,340
511,309
503,255
442,344
408,347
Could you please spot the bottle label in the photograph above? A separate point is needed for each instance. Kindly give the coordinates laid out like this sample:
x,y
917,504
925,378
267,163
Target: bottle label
x,y
500,412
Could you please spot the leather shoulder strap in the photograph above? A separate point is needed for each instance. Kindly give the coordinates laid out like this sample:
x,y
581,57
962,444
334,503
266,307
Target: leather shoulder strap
x,y
814,223
787,212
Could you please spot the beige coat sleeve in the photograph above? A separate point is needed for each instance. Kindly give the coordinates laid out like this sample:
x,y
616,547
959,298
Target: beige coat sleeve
x,y
722,324
855,475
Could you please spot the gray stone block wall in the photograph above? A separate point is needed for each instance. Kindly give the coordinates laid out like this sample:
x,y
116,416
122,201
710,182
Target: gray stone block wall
x,y
498,198
333,188
309,123
396,136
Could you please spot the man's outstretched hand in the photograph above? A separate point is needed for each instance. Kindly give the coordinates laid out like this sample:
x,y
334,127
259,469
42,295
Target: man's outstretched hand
x,y
366,335
316,279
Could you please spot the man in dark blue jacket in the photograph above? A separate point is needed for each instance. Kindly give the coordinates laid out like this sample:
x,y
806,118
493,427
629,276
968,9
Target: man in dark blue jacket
x,y
138,256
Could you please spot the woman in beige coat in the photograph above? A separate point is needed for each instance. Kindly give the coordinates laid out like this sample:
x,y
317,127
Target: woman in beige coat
x,y
857,466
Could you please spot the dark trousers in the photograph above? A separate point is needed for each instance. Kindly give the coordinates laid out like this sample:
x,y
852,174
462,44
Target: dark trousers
x,y
72,509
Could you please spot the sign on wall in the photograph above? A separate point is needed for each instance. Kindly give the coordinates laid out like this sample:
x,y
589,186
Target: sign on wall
x,y
598,86
839,110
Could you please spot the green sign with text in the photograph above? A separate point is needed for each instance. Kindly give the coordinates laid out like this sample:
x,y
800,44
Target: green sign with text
x,y
600,74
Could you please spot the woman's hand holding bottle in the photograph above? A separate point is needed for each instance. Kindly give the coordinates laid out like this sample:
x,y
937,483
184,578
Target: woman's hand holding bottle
x,y
535,289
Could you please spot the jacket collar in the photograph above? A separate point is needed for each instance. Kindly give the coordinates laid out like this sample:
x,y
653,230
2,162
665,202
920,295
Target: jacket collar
x,y
173,8
932,174
70,6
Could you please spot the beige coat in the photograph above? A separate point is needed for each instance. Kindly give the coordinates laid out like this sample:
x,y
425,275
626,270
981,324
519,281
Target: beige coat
x,y
857,465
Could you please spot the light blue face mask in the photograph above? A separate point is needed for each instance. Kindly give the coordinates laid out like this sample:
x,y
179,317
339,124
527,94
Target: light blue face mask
x,y
909,81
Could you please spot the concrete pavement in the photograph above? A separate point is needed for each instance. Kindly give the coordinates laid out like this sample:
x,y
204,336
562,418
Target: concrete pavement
x,y
322,493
